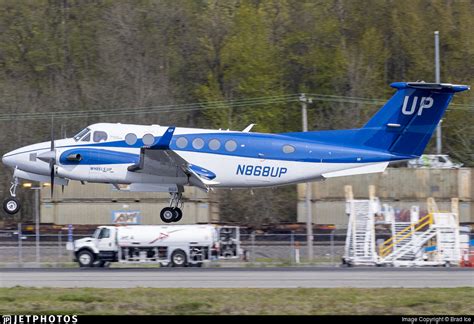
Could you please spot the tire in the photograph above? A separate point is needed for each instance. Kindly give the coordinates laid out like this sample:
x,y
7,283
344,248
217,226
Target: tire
x,y
178,259
85,259
167,215
11,205
178,214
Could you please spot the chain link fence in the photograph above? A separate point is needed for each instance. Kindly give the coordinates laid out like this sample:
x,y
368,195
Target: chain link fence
x,y
292,249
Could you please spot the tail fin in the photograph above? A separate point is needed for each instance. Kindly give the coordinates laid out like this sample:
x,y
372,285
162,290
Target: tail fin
x,y
404,125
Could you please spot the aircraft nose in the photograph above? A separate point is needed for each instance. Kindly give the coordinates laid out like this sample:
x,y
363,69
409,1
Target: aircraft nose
x,y
12,158
7,159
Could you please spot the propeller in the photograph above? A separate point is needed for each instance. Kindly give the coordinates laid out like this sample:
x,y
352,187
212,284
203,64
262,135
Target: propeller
x,y
52,161
50,157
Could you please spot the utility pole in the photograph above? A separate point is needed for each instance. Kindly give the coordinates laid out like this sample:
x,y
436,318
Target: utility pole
x,y
438,80
309,215
37,223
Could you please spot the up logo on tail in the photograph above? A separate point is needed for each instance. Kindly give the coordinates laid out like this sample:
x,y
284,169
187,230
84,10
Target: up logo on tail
x,y
424,103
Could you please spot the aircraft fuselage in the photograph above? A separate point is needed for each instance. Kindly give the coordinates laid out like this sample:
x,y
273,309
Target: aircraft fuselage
x,y
231,159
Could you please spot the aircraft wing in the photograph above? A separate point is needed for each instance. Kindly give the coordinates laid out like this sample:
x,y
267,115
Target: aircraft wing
x,y
160,160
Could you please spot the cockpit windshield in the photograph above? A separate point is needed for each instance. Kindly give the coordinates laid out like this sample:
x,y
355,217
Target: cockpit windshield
x,y
80,134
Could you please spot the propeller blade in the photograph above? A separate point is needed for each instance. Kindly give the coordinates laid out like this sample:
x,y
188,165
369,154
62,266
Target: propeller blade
x,y
51,165
52,161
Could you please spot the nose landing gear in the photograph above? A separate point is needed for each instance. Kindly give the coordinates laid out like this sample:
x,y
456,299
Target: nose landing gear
x,y
173,213
12,205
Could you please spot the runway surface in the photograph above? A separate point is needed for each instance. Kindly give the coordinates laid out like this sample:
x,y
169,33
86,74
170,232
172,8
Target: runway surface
x,y
240,278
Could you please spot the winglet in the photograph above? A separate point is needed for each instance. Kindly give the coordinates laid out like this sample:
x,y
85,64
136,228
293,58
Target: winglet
x,y
165,140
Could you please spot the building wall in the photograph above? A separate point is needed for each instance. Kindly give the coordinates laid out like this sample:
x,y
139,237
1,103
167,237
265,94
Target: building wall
x,y
399,187
95,203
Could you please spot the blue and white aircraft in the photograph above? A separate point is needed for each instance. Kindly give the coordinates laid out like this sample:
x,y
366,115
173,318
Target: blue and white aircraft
x,y
165,159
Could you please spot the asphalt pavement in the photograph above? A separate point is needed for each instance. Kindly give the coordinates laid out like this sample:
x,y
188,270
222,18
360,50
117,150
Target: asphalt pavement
x,y
304,277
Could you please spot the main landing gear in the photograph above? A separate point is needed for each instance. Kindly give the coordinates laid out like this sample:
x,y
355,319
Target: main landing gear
x,y
173,213
12,205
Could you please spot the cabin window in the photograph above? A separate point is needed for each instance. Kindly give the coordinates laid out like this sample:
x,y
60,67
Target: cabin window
x,y
288,149
130,139
86,138
214,144
198,143
100,136
80,134
148,139
104,233
182,142
231,145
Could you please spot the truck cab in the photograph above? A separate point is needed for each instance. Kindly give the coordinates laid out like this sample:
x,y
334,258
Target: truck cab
x,y
97,249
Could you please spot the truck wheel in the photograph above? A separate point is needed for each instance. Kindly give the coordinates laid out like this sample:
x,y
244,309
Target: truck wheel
x,y
178,258
85,259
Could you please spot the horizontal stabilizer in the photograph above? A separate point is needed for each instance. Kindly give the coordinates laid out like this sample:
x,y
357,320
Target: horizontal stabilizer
x,y
430,86
371,168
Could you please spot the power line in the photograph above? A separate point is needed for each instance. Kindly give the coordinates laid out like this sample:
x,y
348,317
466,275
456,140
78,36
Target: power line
x,y
218,104
198,104
151,109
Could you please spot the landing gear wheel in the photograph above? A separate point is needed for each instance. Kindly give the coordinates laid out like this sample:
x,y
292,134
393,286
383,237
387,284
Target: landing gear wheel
x,y
167,215
85,259
11,205
178,214
178,259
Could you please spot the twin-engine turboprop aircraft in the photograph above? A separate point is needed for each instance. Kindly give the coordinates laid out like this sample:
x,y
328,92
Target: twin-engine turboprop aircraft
x,y
165,159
